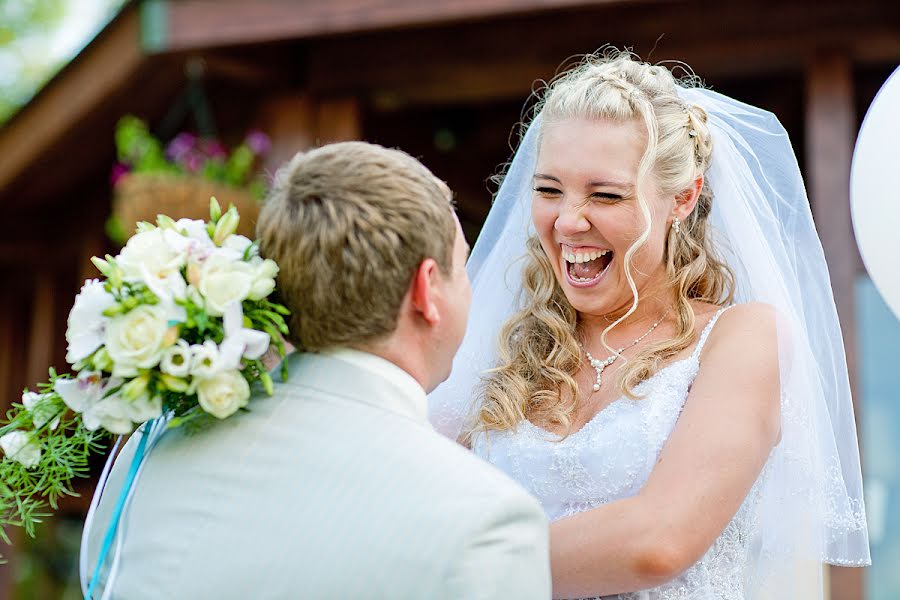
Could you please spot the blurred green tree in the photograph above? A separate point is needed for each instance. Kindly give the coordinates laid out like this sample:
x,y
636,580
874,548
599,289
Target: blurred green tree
x,y
38,37
25,26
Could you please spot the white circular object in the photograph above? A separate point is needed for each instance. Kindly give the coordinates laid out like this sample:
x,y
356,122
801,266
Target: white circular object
x,y
875,191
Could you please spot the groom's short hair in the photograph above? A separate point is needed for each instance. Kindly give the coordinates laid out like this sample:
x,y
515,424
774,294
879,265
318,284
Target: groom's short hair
x,y
348,225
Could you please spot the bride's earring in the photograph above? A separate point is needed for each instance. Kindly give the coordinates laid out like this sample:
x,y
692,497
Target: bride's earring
x,y
676,225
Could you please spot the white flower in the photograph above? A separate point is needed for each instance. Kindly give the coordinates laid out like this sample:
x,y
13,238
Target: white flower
x,y
263,279
151,250
143,408
87,325
226,225
194,229
223,281
85,395
238,243
194,244
176,360
168,288
222,395
20,447
41,413
204,359
136,340
240,341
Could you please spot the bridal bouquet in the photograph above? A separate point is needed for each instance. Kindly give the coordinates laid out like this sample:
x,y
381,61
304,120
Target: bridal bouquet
x,y
176,329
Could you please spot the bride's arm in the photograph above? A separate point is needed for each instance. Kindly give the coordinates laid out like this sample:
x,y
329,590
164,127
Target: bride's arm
x,y
722,439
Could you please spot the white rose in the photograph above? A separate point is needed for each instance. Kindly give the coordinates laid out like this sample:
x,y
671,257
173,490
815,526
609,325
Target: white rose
x,y
20,447
87,325
223,281
150,250
204,359
222,395
40,411
136,340
176,360
263,279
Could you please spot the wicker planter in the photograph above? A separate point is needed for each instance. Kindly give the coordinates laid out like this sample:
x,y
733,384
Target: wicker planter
x,y
142,196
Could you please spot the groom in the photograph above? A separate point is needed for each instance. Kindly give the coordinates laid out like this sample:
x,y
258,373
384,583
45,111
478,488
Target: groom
x,y
337,487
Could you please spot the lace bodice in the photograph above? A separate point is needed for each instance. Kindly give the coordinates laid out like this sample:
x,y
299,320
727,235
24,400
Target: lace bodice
x,y
610,458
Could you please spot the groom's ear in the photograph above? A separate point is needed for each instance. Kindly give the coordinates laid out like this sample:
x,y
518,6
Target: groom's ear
x,y
425,290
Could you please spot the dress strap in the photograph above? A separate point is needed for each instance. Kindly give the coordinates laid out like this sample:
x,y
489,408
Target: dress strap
x,y
707,329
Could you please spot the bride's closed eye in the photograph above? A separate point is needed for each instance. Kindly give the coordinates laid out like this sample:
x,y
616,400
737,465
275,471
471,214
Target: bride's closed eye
x,y
606,196
547,191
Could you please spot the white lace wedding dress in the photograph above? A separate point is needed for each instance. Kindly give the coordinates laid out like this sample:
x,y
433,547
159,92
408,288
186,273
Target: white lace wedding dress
x,y
610,458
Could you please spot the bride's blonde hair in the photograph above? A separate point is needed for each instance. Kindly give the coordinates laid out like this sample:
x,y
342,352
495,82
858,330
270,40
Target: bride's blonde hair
x,y
539,351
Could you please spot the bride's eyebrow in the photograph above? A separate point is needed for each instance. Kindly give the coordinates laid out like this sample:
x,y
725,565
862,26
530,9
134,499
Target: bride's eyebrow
x,y
627,187
550,177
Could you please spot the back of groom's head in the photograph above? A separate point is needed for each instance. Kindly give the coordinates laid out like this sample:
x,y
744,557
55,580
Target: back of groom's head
x,y
349,224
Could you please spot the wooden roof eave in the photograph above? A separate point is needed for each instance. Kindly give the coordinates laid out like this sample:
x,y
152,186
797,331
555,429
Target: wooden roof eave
x,y
178,25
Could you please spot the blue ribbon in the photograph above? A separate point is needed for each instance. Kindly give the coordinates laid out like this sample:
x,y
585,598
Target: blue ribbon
x,y
120,505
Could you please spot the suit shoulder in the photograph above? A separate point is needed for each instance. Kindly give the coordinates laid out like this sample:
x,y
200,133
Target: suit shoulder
x,y
463,471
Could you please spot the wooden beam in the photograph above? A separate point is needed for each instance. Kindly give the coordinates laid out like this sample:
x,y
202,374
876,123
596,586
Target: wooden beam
x,y
103,67
191,24
830,132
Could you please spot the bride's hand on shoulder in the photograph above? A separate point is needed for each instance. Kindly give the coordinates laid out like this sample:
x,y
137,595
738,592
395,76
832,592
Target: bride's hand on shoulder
x,y
729,425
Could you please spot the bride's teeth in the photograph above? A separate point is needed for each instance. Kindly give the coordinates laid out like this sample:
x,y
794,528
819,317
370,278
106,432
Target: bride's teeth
x,y
583,257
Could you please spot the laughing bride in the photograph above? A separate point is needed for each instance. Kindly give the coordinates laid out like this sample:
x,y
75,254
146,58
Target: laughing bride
x,y
669,379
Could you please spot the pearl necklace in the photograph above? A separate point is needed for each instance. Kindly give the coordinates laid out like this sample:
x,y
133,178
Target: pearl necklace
x,y
599,365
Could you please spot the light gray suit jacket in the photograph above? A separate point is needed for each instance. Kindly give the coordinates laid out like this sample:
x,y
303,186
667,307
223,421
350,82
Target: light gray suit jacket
x,y
335,487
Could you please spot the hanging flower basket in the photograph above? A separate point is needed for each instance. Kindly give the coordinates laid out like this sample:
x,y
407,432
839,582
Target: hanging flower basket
x,y
179,178
143,196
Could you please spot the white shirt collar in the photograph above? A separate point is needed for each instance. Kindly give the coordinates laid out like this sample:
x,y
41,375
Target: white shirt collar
x,y
414,397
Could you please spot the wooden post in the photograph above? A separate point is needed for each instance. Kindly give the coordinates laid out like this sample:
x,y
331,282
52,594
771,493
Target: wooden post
x,y
830,131
339,120
41,333
297,121
7,339
290,121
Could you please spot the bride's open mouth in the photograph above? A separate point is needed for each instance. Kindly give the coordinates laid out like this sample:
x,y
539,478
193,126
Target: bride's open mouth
x,y
585,267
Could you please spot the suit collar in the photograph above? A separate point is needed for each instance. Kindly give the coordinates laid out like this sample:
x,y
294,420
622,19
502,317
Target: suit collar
x,y
362,377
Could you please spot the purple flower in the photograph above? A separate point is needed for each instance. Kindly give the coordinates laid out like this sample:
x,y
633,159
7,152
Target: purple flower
x,y
213,148
258,142
181,144
193,162
118,170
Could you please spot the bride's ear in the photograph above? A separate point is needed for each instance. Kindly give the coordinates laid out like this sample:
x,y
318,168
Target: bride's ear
x,y
687,200
424,290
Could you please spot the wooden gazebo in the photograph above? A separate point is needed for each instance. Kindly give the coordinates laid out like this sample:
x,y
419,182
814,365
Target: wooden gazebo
x,y
445,80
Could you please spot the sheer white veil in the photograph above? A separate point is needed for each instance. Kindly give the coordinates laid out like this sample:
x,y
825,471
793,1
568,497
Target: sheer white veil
x,y
811,509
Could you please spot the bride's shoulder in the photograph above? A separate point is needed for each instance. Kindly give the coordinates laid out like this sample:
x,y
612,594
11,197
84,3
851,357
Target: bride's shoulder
x,y
748,327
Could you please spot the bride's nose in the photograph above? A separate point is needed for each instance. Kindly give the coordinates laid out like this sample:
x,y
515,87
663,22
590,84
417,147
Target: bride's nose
x,y
571,219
